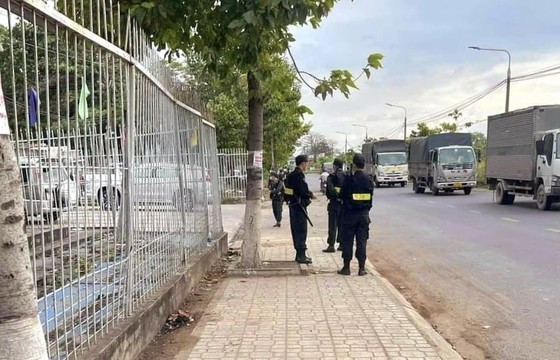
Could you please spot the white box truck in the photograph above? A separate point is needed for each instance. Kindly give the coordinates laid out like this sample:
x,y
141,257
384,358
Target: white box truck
x,y
386,161
523,154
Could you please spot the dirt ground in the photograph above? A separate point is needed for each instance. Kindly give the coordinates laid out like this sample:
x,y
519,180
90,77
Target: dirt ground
x,y
459,328
175,335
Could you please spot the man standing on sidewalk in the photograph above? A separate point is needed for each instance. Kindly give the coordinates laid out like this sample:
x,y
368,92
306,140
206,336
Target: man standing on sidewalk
x,y
276,195
334,183
298,196
357,197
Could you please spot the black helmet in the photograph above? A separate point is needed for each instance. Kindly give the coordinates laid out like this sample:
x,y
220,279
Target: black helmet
x,y
359,160
338,162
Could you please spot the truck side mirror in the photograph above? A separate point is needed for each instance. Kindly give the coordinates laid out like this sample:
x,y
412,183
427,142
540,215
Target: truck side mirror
x,y
540,147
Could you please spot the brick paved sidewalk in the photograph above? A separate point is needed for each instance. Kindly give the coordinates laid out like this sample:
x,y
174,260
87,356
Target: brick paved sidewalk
x,y
319,316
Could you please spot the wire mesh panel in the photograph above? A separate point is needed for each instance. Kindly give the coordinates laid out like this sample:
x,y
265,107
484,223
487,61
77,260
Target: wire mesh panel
x,y
119,175
232,165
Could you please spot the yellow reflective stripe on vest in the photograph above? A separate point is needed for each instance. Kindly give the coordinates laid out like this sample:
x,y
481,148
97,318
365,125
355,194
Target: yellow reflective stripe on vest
x,y
361,197
288,191
337,189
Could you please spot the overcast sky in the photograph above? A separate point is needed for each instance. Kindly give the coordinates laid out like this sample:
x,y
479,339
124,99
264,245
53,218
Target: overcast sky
x,y
427,65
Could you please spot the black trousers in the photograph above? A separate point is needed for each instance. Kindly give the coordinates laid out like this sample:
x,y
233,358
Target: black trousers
x,y
334,222
277,210
298,225
354,225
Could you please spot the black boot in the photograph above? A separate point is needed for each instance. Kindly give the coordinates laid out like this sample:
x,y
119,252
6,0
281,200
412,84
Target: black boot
x,y
362,271
339,248
329,249
301,258
345,269
309,260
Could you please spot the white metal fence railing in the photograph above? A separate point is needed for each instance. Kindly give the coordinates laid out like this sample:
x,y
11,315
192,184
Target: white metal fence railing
x,y
233,173
120,177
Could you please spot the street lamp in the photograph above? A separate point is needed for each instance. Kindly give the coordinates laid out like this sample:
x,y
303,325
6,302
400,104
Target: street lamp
x,y
362,126
405,115
508,71
345,141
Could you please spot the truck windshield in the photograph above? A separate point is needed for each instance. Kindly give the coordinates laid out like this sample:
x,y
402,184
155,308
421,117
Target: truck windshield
x,y
391,159
456,156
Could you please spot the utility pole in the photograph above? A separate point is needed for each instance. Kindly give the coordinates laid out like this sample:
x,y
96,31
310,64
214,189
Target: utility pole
x,y
508,81
365,127
405,116
345,142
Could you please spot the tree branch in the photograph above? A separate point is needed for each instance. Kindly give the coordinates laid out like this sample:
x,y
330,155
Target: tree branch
x,y
298,71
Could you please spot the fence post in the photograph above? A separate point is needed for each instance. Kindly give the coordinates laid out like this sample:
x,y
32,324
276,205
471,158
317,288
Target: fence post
x,y
181,180
128,188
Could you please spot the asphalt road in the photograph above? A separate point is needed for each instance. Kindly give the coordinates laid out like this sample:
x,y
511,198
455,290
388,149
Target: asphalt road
x,y
486,275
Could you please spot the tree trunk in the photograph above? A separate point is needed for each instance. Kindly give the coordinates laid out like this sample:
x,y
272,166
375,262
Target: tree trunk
x,y
250,250
21,335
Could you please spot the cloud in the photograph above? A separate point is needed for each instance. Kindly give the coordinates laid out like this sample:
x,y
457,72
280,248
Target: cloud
x,y
427,66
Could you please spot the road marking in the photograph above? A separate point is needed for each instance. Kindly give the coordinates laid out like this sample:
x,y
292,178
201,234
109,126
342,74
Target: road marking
x,y
553,230
475,211
451,206
510,220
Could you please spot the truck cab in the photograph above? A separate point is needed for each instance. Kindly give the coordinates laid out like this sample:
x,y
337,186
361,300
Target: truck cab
x,y
391,168
452,168
547,182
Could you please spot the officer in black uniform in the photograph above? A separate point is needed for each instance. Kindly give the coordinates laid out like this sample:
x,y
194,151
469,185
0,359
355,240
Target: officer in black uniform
x,y
334,183
277,197
357,197
298,196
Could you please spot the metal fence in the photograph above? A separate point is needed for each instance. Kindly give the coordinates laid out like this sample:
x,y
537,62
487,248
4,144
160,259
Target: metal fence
x,y
120,175
233,173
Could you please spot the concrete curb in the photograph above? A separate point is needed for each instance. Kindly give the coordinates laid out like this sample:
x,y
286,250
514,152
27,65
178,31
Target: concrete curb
x,y
126,341
443,348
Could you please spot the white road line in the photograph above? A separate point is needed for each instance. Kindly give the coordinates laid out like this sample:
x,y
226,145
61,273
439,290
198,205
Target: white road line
x,y
553,230
510,220
475,211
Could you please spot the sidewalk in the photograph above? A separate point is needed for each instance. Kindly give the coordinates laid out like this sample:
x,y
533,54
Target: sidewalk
x,y
319,316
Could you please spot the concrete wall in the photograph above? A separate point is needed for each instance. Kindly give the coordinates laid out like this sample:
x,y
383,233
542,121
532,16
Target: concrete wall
x,y
131,336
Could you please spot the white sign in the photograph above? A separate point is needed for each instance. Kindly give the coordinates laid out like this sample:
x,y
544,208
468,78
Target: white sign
x,y
257,159
4,127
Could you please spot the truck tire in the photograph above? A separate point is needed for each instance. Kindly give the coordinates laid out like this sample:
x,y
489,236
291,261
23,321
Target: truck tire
x,y
435,191
377,185
421,190
403,184
502,196
544,202
467,191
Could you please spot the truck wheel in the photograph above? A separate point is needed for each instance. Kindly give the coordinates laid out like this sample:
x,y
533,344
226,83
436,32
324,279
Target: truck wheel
x,y
467,191
435,191
502,196
377,185
403,184
544,202
421,190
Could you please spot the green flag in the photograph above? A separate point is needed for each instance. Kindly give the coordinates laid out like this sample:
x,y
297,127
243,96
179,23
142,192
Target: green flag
x,y
83,111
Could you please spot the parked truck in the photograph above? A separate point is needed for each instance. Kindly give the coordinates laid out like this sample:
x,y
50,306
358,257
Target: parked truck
x,y
442,163
524,155
386,162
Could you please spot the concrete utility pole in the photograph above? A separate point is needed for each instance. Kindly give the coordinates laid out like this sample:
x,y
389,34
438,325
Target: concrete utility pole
x,y
362,126
405,116
508,81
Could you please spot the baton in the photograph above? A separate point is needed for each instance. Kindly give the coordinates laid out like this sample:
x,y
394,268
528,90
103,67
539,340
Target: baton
x,y
306,215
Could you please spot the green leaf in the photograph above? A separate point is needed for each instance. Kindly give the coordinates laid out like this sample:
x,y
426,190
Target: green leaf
x,y
148,5
236,24
367,72
250,17
374,60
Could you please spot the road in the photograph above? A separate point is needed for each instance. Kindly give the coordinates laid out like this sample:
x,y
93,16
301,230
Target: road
x,y
485,275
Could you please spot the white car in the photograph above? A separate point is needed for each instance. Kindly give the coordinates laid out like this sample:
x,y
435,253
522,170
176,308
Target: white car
x,y
154,183
47,190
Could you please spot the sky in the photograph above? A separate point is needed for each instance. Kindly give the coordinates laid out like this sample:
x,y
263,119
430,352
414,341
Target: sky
x,y
428,66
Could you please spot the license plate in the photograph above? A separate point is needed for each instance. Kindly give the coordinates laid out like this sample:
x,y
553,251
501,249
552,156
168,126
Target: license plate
x,y
457,185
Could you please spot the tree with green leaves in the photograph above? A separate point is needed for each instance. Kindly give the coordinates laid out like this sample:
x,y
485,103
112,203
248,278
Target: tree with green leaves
x,y
243,36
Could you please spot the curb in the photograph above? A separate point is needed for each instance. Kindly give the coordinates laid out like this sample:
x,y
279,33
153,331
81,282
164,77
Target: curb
x,y
443,348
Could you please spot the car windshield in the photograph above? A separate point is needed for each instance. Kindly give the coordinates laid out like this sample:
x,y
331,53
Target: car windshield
x,y
391,159
456,156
